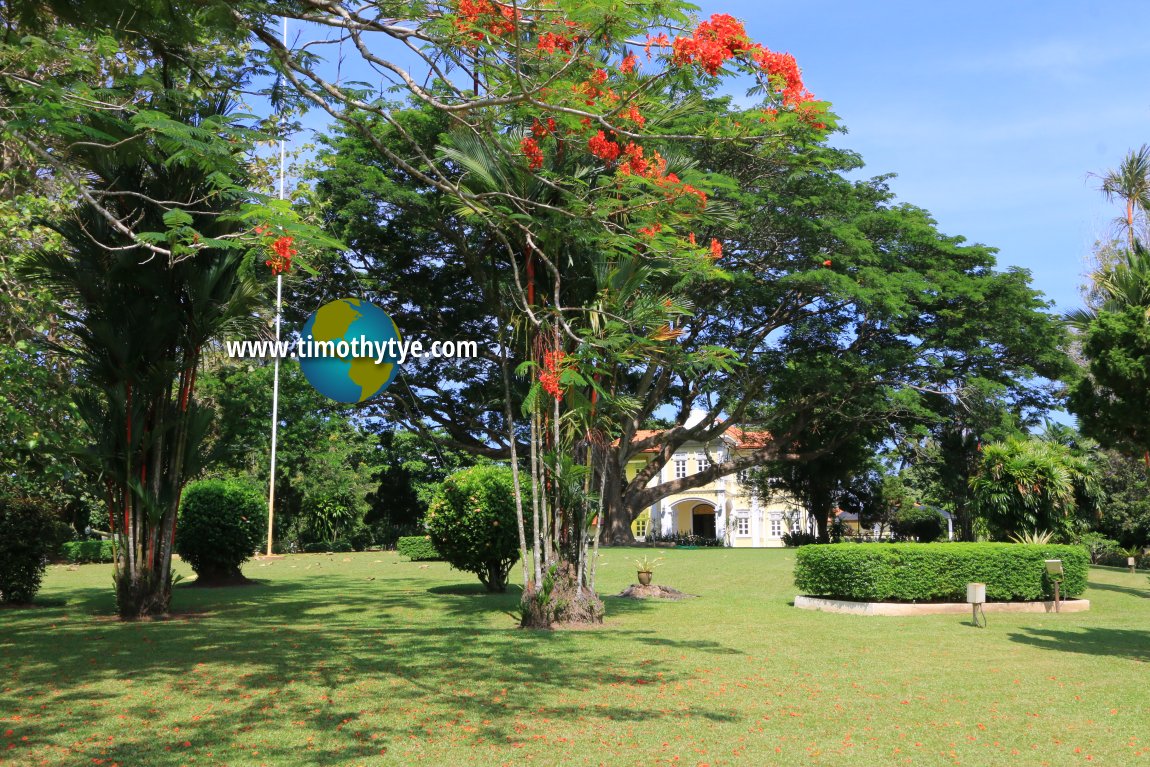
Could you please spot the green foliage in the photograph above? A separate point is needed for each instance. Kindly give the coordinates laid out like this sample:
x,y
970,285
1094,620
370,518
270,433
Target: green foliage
x,y
912,572
687,540
799,538
1126,513
472,522
418,548
26,530
1112,401
221,523
920,523
1099,547
1035,484
85,552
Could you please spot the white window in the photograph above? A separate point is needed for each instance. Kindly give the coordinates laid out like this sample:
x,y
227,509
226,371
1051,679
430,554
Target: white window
x,y
742,525
776,527
744,476
680,466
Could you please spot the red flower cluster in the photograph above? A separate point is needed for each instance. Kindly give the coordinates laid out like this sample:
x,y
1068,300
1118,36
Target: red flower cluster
x,y
652,230
603,147
281,251
716,249
532,152
541,130
501,18
712,44
549,377
549,42
661,40
784,71
635,116
723,37
628,64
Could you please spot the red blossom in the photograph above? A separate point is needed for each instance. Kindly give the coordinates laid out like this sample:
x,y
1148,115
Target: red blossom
x,y
549,42
603,147
281,251
661,40
549,376
628,64
599,76
827,262
635,116
500,19
651,231
713,42
716,249
785,76
532,152
691,239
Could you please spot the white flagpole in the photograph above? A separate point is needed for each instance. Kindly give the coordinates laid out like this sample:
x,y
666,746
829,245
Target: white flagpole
x,y
276,373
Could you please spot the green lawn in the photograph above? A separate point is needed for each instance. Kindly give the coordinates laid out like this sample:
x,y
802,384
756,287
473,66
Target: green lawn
x,y
368,659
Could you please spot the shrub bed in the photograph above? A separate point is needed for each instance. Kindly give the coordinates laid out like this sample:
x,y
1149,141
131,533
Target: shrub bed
x,y
83,552
937,572
417,548
26,532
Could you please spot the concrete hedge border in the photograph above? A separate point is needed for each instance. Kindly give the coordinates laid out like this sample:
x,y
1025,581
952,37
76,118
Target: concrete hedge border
x,y
937,572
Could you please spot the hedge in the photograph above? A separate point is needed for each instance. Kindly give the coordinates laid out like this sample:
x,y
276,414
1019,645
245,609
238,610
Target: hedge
x,y
82,552
417,548
937,572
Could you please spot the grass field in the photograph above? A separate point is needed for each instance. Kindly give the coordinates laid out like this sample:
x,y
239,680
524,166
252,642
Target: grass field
x,y
353,659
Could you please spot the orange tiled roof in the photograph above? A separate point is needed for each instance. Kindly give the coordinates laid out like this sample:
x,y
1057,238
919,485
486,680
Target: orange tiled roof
x,y
744,440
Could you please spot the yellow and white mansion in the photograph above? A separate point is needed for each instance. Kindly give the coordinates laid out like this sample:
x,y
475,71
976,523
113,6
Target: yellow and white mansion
x,y
724,508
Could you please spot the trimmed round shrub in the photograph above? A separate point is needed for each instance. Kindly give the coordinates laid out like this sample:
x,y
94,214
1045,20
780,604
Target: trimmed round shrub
x,y
918,523
419,548
26,537
937,572
222,521
472,523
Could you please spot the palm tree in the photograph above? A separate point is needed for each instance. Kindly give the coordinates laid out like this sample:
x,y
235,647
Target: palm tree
x,y
1126,283
1130,183
1026,484
139,326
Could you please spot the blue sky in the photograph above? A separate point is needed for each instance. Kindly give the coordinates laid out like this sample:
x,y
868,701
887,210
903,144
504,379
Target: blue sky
x,y
991,114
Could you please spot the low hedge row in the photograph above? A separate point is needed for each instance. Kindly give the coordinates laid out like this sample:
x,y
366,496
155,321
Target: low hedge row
x,y
83,552
937,572
417,548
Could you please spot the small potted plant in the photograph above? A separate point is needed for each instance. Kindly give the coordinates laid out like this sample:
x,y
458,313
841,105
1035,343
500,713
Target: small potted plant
x,y
645,565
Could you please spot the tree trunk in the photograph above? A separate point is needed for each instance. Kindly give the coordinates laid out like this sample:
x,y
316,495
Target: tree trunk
x,y
559,600
616,524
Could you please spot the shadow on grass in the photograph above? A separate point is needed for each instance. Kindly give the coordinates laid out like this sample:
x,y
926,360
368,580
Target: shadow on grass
x,y
1115,643
308,647
1144,593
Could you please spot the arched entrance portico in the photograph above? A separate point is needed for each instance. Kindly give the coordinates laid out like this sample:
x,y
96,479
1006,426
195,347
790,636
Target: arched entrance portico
x,y
703,520
694,516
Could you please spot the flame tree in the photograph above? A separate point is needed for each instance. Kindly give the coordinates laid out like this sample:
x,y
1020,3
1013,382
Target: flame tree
x,y
560,149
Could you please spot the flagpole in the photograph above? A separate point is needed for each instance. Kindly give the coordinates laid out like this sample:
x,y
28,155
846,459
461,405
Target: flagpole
x,y
276,373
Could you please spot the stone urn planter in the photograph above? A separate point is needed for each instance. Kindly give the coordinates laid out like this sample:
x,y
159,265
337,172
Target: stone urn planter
x,y
644,577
